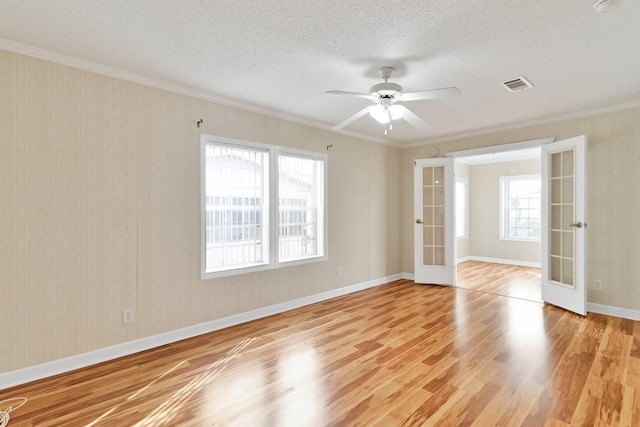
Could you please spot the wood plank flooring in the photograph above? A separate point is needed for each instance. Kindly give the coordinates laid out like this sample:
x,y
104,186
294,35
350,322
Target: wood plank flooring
x,y
397,355
500,279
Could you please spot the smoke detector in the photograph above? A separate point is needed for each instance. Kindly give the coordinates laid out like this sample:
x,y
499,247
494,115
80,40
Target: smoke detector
x,y
604,6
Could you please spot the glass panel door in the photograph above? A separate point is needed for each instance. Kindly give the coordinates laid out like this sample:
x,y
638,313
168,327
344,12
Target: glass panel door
x,y
564,237
434,184
433,215
562,232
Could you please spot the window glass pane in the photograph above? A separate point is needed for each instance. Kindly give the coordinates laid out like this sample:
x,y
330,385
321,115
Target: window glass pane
x,y
427,175
567,163
427,236
301,207
556,165
438,216
438,175
438,256
567,190
438,236
461,208
236,205
521,217
567,271
427,196
555,247
555,272
427,255
438,196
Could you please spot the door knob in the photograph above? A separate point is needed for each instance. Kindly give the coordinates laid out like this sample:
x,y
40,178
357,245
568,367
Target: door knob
x,y
576,224
419,221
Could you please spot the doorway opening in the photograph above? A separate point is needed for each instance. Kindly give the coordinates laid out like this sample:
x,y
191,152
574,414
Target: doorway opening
x,y
562,225
498,223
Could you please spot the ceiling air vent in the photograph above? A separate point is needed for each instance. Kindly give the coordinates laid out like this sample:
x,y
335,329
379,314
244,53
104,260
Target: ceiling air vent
x,y
517,84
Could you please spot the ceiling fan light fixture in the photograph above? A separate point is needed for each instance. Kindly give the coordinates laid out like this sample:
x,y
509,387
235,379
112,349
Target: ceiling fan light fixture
x,y
396,112
380,113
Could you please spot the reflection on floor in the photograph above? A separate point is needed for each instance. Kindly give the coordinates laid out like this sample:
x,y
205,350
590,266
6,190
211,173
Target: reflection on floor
x,y
500,279
400,354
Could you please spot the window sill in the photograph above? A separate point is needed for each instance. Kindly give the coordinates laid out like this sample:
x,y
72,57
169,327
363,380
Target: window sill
x,y
521,239
261,267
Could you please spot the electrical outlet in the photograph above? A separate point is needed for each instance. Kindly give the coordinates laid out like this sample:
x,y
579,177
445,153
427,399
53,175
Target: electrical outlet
x,y
339,272
128,315
597,284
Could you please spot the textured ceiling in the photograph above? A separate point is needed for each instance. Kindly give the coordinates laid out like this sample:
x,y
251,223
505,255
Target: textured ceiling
x,y
283,55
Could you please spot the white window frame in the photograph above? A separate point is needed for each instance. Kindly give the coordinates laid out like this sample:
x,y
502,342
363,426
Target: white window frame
x,y
323,212
273,208
464,181
504,206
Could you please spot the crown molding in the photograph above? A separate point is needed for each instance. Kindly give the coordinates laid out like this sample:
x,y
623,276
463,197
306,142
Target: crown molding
x,y
122,74
527,123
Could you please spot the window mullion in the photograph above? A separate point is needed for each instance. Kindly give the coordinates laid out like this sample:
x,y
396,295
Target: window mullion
x,y
274,214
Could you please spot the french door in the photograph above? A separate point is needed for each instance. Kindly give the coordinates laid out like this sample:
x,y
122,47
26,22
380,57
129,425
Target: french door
x,y
434,227
564,224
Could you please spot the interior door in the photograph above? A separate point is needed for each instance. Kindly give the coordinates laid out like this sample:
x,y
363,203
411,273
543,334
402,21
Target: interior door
x,y
564,224
434,184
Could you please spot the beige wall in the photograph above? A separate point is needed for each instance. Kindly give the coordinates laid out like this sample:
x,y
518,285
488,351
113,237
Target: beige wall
x,y
484,208
100,209
613,155
100,212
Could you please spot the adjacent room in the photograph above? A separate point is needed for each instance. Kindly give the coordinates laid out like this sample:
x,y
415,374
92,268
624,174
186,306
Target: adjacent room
x,y
498,246
337,213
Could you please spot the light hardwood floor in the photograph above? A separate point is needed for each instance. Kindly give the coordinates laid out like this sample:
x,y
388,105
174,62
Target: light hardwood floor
x,y
398,354
500,279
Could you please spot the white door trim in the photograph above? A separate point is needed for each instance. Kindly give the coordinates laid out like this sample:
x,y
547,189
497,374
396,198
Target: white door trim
x,y
512,146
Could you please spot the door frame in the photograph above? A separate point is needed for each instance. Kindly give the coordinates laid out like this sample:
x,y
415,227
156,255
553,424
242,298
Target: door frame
x,y
501,148
520,146
494,149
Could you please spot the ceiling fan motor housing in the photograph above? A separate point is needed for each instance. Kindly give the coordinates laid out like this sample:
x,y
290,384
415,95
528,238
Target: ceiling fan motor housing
x,y
382,89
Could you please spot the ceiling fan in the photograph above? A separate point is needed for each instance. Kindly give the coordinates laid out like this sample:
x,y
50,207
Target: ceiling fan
x,y
387,97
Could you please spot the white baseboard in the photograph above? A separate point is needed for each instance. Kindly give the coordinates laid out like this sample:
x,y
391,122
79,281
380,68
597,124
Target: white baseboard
x,y
499,261
33,373
609,310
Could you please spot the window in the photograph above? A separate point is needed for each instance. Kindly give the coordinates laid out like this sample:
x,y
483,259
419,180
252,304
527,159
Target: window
x,y
262,206
301,199
462,197
236,202
520,207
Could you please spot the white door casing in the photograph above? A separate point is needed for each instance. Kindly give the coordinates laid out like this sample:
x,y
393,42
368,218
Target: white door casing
x,y
564,224
434,227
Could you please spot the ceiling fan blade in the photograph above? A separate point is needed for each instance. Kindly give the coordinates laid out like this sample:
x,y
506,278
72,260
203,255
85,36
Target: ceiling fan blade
x,y
412,118
351,119
360,95
431,94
